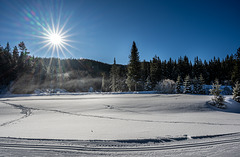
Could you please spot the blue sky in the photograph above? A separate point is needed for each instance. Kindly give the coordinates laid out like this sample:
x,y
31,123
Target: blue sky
x,y
104,29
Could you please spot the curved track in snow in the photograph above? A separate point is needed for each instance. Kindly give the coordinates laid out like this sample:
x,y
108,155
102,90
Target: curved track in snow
x,y
24,110
27,111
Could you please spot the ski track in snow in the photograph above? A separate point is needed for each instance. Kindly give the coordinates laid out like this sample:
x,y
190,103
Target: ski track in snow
x,y
116,148
25,110
113,147
28,111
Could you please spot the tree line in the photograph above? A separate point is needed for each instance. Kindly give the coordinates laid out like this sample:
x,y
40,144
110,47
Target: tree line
x,y
146,75
22,73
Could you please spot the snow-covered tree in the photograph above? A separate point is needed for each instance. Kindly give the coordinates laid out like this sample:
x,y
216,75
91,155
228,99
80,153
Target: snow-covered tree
x,y
148,84
218,99
201,82
187,85
195,86
236,92
166,86
178,84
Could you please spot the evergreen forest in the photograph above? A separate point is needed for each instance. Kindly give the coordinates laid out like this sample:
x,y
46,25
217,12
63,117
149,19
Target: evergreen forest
x,y
21,72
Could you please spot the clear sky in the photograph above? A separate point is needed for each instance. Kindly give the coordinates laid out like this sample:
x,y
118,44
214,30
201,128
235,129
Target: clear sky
x,y
104,29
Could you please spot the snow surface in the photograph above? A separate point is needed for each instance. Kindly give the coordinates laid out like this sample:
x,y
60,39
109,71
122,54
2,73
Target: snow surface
x,y
116,117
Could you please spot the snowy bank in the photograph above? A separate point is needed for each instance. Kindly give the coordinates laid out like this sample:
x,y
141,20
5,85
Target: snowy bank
x,y
231,105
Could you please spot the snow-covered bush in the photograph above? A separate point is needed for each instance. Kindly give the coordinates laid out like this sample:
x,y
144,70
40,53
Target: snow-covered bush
x,y
49,91
236,92
218,99
166,86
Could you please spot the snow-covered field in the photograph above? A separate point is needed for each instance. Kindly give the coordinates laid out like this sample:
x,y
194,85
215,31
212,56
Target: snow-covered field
x,y
100,121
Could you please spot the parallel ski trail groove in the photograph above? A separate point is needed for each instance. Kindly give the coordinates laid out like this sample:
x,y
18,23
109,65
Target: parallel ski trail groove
x,y
114,149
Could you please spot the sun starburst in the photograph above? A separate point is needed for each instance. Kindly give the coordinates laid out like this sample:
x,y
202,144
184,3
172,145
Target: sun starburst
x,y
56,39
51,31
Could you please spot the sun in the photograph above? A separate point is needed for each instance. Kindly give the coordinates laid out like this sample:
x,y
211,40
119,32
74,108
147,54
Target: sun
x,y
52,32
55,39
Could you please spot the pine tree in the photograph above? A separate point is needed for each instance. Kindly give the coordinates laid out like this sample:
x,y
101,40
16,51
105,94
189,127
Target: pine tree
x,y
187,85
24,61
201,83
6,69
7,54
216,88
164,70
15,54
236,92
22,47
155,70
148,84
113,76
170,69
145,73
197,67
218,99
103,82
187,66
236,70
183,67
7,48
134,69
195,86
178,84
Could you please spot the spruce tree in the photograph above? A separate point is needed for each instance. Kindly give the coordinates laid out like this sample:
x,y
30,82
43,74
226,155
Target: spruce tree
x,y
148,84
178,84
187,85
103,89
15,54
218,99
170,69
145,73
236,92
236,70
201,83
7,48
187,66
7,54
155,70
113,76
195,86
134,69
